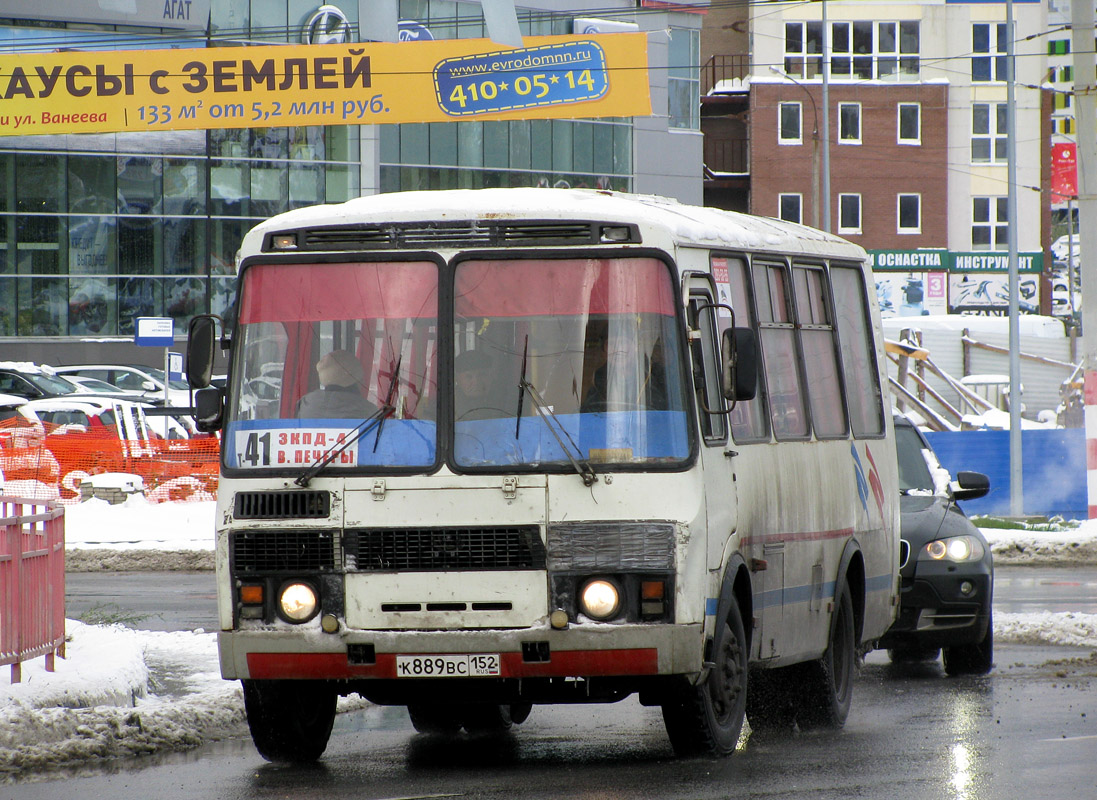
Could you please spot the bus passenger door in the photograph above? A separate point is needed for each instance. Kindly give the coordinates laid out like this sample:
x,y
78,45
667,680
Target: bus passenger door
x,y
717,461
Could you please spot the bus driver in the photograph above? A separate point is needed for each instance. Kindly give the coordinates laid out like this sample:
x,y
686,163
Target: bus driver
x,y
340,393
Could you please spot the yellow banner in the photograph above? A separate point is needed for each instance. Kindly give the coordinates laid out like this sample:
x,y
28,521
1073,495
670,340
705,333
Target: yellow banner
x,y
368,83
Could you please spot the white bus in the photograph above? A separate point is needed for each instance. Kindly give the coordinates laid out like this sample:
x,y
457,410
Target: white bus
x,y
486,450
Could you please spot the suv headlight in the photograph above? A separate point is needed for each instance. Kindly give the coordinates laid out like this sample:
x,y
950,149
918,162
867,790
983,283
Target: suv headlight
x,y
955,548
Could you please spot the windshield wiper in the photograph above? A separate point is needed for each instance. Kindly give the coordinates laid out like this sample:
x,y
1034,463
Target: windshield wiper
x,y
521,391
582,466
374,420
388,399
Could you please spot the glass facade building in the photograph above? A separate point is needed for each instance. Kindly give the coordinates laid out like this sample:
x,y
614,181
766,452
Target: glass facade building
x,y
100,229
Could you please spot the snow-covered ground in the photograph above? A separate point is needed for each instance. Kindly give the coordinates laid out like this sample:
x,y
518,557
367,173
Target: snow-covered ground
x,y
122,692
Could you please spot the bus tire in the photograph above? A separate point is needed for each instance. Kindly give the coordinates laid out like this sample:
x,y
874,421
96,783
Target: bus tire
x,y
434,718
828,682
290,721
707,719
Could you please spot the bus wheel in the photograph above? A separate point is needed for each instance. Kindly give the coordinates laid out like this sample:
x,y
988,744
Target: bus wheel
x,y
433,718
289,720
708,718
828,682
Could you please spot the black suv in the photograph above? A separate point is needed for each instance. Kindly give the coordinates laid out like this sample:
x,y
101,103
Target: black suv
x,y
946,564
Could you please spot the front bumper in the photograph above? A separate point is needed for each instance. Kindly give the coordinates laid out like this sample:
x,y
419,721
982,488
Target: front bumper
x,y
578,652
935,612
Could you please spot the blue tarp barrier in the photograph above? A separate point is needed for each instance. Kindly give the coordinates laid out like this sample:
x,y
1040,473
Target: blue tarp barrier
x,y
1053,469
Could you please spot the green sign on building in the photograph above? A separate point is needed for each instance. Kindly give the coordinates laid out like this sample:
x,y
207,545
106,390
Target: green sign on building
x,y
939,260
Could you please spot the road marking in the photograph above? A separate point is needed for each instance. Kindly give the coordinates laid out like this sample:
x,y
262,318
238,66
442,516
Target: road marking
x,y
1069,739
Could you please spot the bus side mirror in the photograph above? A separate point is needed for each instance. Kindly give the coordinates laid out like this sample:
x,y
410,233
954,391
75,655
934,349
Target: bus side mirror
x,y
201,338
208,409
739,364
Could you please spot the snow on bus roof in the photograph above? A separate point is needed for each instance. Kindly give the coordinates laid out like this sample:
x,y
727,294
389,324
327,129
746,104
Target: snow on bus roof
x,y
695,224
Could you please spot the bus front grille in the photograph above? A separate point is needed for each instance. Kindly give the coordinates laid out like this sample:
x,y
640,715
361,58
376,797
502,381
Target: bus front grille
x,y
282,505
436,549
257,552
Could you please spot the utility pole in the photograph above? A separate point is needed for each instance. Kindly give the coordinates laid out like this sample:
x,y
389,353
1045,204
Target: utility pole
x,y
1016,485
1085,118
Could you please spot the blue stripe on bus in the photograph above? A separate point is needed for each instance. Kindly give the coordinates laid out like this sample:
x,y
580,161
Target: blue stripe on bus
x,y
793,595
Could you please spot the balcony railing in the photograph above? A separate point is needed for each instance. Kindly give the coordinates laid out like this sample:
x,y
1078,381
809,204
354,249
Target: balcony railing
x,y
723,68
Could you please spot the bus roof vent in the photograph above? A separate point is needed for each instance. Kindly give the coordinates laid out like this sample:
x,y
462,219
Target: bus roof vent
x,y
282,505
465,233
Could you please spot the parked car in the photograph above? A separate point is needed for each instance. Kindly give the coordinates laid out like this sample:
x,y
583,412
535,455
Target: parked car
x,y
101,388
148,380
945,562
32,381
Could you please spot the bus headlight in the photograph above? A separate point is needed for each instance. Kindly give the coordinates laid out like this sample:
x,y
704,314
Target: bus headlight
x,y
297,602
599,599
955,548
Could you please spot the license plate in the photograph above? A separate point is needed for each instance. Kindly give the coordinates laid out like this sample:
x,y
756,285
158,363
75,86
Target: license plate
x,y
462,666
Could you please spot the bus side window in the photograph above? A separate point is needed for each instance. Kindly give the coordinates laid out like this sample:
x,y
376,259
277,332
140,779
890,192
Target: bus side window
x,y
749,422
820,348
781,355
706,370
862,376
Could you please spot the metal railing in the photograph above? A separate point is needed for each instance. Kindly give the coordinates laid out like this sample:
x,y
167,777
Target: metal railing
x,y
32,582
723,68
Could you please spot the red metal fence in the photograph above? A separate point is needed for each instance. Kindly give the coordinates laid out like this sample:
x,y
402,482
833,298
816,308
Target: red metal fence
x,y
32,582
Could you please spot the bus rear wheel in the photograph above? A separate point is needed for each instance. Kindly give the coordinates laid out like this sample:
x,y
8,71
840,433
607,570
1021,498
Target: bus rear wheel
x,y
828,682
290,721
707,719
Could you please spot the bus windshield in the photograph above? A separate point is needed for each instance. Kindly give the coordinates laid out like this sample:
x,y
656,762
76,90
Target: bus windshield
x,y
321,348
549,362
567,359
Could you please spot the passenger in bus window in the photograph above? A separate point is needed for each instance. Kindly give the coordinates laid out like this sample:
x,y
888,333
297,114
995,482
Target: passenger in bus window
x,y
595,359
655,378
472,387
340,393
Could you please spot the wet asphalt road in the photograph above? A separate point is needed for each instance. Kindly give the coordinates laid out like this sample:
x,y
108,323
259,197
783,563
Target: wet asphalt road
x,y
1028,730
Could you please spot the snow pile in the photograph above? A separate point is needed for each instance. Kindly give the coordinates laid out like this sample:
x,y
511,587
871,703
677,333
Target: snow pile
x,y
1044,544
103,700
138,524
1047,628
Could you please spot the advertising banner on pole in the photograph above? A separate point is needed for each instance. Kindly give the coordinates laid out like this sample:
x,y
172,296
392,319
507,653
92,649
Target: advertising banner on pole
x,y
1064,171
368,83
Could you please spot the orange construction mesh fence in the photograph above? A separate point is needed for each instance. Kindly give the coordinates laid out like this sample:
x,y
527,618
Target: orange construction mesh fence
x,y
47,461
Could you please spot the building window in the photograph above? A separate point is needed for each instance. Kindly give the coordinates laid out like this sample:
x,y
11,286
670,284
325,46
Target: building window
x,y
849,213
910,213
684,79
791,207
910,123
988,46
988,133
804,49
789,128
865,50
849,123
989,223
